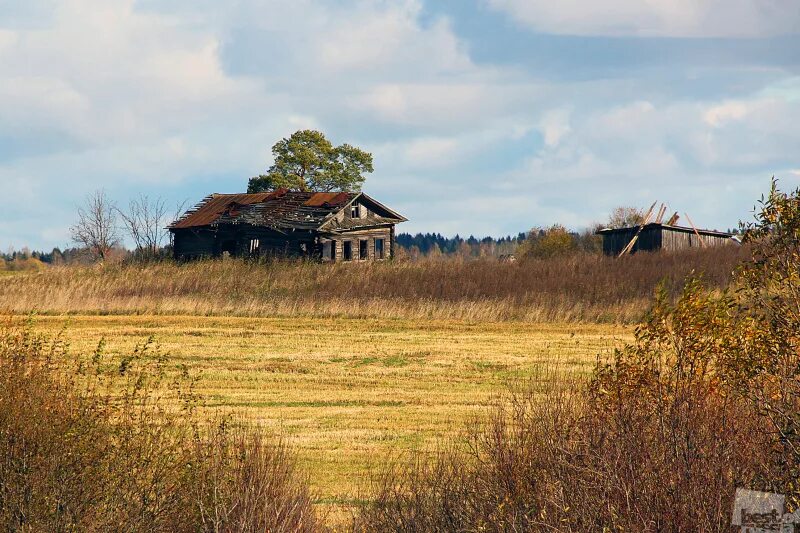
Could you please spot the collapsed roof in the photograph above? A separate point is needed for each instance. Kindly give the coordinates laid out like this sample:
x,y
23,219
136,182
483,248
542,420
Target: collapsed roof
x,y
284,210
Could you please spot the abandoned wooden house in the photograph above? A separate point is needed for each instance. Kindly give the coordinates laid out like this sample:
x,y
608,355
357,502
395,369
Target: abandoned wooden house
x,y
329,226
656,236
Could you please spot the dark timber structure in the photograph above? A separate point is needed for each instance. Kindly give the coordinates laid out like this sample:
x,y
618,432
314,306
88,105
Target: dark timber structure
x,y
656,236
329,226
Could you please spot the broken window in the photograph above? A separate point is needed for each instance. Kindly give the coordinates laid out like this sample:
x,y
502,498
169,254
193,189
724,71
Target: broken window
x,y
363,250
379,253
254,246
347,250
355,211
332,250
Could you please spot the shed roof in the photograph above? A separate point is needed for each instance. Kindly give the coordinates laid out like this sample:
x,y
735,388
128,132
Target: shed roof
x,y
656,225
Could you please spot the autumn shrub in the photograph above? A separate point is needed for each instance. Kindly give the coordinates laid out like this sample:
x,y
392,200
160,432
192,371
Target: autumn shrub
x,y
650,443
704,400
86,445
554,241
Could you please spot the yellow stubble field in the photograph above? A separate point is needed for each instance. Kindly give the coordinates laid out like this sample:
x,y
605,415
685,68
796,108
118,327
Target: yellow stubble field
x,y
348,393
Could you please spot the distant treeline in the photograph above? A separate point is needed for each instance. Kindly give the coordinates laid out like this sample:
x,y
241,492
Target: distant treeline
x,y
425,244
54,257
556,239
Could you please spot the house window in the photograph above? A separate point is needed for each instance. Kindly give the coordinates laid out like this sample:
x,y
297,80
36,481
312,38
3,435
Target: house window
x,y
332,250
347,250
379,254
355,211
254,246
363,251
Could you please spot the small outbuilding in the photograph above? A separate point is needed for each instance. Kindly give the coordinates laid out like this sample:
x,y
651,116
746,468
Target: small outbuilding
x,y
329,226
656,236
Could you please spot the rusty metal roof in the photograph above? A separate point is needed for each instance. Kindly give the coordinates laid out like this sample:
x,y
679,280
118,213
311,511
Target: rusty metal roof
x,y
284,211
280,209
331,198
214,206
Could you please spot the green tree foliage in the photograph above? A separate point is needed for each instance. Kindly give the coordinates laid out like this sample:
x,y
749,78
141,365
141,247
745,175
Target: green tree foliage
x,y
307,161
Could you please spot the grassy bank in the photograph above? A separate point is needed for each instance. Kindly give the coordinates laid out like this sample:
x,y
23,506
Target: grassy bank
x,y
585,288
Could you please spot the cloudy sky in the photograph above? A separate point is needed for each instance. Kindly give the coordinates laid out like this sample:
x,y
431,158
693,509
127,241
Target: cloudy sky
x,y
484,116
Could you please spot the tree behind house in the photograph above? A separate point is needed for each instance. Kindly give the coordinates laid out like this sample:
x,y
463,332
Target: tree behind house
x,y
307,161
625,217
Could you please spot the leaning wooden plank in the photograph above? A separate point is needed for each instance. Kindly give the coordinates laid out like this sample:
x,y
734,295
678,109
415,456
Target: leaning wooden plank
x,y
629,247
699,238
673,219
661,213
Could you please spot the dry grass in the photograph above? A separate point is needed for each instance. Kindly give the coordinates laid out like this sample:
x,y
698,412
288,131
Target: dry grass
x,y
579,288
90,446
347,393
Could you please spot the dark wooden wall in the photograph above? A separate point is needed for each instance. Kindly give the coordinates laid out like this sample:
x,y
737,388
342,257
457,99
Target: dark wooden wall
x,y
655,238
679,240
195,243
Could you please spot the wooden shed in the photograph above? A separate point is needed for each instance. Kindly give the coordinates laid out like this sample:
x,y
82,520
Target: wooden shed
x,y
330,226
656,236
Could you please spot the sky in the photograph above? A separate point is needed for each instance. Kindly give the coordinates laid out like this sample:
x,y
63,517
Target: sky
x,y
485,117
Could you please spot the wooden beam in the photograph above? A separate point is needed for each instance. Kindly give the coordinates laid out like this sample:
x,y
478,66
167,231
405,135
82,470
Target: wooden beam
x,y
629,247
699,238
673,219
661,213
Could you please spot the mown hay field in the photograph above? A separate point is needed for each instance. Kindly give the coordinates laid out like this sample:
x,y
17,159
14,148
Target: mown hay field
x,y
348,393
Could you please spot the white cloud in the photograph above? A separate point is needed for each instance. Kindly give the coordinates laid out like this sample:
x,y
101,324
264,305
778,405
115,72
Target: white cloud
x,y
389,36
449,106
726,112
555,125
657,18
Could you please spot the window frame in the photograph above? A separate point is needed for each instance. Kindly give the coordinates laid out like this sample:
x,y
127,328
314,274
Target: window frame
x,y
382,254
347,246
355,210
363,243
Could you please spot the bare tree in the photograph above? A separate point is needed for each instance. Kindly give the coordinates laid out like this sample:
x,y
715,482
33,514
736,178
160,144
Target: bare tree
x,y
625,217
96,228
180,208
145,221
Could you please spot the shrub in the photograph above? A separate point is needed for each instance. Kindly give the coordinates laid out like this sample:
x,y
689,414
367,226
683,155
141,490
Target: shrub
x,y
93,447
554,241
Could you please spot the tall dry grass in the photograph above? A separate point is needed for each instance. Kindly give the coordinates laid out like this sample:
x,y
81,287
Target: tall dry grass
x,y
577,288
93,447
